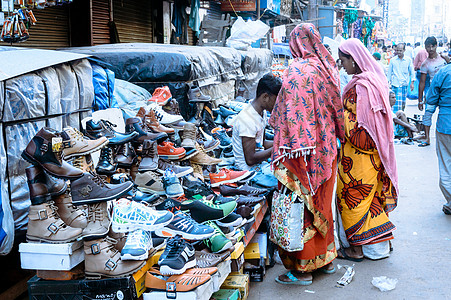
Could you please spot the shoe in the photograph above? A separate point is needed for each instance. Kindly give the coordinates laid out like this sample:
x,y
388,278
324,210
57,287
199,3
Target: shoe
x,y
45,225
138,196
194,271
264,181
204,210
210,145
45,150
149,161
172,108
181,283
179,257
244,211
172,185
218,199
179,171
173,205
228,176
43,187
222,136
150,182
228,152
95,130
161,95
90,188
194,187
206,259
102,259
185,226
166,150
120,238
137,245
150,119
218,242
164,117
195,95
72,215
245,190
269,136
226,112
189,136
135,124
83,163
125,156
104,166
249,200
220,121
98,221
233,219
202,158
75,144
130,215
178,125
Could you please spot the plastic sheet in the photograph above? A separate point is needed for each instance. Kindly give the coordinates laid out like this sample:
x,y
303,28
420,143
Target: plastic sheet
x,y
384,284
103,81
51,82
255,64
70,98
130,96
83,73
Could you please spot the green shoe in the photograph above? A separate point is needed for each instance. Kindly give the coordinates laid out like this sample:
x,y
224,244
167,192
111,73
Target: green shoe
x,y
204,210
218,242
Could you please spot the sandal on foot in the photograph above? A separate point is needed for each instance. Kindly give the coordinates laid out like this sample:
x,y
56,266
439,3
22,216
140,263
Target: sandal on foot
x,y
326,271
423,144
293,280
342,255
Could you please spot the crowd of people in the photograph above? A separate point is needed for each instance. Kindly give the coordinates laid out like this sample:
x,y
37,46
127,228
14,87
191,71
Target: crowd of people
x,y
336,128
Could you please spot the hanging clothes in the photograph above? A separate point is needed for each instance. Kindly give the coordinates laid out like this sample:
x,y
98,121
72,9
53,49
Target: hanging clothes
x,y
179,20
194,17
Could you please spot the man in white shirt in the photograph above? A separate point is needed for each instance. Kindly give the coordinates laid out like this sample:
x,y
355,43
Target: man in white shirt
x,y
409,52
248,140
417,49
400,74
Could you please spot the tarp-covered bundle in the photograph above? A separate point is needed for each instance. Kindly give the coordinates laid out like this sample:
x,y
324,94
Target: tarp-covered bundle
x,y
255,64
56,92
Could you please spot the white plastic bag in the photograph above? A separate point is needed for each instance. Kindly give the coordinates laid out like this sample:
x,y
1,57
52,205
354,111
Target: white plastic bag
x,y
384,284
243,33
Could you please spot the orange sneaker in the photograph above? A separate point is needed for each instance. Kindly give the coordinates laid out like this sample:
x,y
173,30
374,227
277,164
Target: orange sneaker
x,y
166,150
228,176
161,95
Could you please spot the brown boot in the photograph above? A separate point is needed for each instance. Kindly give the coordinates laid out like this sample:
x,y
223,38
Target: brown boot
x,y
125,156
43,186
76,144
46,150
119,237
45,225
202,158
103,259
70,214
98,221
152,122
137,124
83,162
189,136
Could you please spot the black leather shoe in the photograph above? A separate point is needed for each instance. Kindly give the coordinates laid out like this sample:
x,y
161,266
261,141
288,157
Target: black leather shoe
x,y
105,128
105,167
135,125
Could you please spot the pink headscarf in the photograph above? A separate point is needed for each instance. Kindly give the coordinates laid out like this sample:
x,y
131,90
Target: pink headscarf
x,y
420,58
373,106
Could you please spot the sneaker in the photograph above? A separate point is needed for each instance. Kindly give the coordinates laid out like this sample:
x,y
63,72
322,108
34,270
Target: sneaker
x,y
245,190
166,150
204,210
161,95
206,259
194,186
172,185
184,225
222,136
233,219
228,176
180,256
173,205
137,245
149,182
130,215
164,117
178,170
202,158
218,242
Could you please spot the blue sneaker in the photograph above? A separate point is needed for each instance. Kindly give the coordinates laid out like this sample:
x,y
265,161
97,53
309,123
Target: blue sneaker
x,y
184,225
223,138
137,245
172,185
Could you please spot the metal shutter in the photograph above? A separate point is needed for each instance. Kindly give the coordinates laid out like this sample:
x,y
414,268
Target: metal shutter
x,y
100,18
133,20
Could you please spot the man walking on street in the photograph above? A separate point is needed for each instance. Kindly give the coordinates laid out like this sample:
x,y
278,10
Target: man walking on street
x,y
440,95
400,75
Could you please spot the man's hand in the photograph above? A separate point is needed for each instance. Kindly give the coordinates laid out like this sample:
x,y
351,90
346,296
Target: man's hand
x,y
413,128
412,86
420,105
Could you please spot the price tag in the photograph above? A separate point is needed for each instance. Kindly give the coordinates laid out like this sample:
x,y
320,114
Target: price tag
x,y
7,6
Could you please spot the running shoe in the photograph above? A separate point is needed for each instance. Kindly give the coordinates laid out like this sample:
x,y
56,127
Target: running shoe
x,y
137,245
179,256
218,242
184,225
204,210
172,185
228,176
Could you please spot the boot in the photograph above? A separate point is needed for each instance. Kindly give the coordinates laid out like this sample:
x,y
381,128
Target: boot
x,y
125,156
36,185
119,237
135,124
45,150
105,128
103,259
172,107
90,188
195,95
202,158
76,144
104,166
45,225
149,155
189,136
152,122
70,214
240,95
98,221
83,163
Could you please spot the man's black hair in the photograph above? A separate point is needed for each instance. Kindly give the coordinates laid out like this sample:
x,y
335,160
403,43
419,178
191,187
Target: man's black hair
x,y
417,44
269,84
408,44
430,41
440,44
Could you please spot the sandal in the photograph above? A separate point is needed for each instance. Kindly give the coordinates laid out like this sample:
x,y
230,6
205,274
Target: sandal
x,y
183,282
326,271
293,280
423,144
342,255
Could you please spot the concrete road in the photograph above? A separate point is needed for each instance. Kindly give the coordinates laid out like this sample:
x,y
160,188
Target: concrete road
x,y
422,245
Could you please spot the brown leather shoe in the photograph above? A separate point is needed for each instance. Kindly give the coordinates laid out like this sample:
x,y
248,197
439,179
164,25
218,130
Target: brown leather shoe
x,y
36,180
153,123
202,158
245,190
75,143
136,124
83,163
125,156
71,215
45,150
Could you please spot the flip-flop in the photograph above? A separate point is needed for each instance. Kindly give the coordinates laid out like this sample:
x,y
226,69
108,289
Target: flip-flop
x,y
293,280
342,255
326,271
423,144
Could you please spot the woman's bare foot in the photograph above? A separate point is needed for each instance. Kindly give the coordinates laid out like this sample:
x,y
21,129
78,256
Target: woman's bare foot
x,y
300,276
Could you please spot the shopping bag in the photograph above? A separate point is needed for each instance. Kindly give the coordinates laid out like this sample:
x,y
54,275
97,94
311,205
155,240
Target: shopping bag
x,y
287,221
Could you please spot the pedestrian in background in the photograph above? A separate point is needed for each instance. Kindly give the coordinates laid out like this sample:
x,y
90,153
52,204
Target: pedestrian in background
x,y
367,186
439,95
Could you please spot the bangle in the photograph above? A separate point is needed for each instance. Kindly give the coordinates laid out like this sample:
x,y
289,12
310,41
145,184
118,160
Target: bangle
x,y
420,102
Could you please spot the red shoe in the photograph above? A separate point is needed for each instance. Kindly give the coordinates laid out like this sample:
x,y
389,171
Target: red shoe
x,y
166,150
227,176
161,95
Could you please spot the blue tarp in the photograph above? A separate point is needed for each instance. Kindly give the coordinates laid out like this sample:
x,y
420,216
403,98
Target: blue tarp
x,y
281,49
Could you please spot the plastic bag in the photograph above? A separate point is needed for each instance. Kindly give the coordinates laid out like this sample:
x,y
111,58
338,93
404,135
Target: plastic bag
x,y
243,33
384,284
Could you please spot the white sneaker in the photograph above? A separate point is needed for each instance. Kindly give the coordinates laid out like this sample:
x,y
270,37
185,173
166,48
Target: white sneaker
x,y
137,245
163,117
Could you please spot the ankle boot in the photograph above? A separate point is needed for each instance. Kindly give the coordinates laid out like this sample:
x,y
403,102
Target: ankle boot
x,y
125,156
36,180
103,259
172,107
149,155
105,128
76,144
189,136
83,163
104,166
98,221
135,124
45,150
195,95
119,237
71,215
151,119
45,225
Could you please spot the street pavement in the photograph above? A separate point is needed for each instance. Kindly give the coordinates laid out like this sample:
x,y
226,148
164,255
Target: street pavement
x,y
421,257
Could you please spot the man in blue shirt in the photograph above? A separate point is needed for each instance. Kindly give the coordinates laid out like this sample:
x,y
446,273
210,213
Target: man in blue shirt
x,y
439,94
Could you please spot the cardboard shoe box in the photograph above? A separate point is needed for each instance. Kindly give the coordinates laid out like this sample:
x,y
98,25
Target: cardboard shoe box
x,y
237,282
226,295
